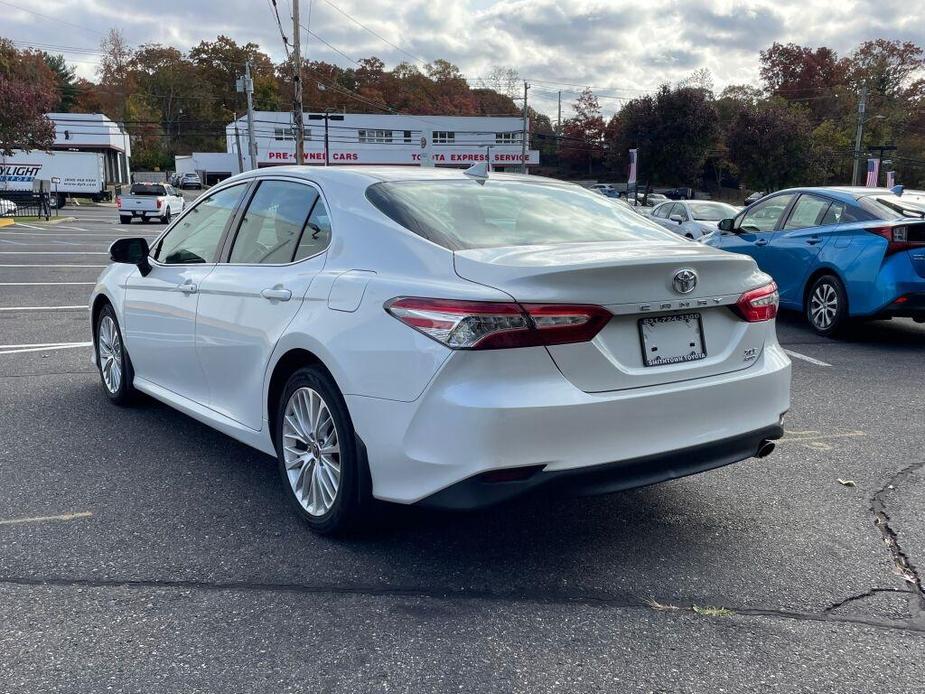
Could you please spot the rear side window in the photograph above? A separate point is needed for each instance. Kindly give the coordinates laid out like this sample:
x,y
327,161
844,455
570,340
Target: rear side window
x,y
317,233
273,223
807,212
147,189
463,214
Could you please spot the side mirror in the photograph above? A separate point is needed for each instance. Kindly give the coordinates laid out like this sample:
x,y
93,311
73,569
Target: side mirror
x,y
677,218
132,252
726,225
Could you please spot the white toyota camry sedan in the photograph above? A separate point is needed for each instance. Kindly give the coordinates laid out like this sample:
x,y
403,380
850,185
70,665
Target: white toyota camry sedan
x,y
444,338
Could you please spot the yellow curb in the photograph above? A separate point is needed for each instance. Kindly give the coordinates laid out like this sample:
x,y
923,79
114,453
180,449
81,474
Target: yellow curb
x,y
6,223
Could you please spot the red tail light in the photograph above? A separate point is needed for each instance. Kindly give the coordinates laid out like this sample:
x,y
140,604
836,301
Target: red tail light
x,y
758,304
498,325
897,238
118,201
158,203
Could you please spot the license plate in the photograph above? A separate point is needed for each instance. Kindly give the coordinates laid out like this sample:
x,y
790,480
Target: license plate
x,y
672,339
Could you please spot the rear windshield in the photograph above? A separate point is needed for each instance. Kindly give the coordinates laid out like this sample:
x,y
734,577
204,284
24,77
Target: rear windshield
x,y
467,214
148,189
892,207
711,211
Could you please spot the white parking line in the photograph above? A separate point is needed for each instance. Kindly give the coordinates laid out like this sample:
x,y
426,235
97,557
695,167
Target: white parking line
x,y
43,519
43,284
82,307
42,348
797,355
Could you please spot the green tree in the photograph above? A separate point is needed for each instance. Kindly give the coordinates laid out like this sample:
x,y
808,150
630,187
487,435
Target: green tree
x,y
66,81
770,145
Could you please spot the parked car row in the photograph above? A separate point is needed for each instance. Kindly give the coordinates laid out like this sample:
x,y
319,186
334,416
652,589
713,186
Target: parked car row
x,y
693,219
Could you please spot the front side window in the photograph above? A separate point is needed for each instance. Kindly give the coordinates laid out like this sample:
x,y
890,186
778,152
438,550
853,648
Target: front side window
x,y
765,215
466,214
195,238
808,212
662,211
273,223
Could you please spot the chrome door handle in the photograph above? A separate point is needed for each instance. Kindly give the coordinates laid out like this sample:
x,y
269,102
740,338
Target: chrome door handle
x,y
188,288
276,294
761,242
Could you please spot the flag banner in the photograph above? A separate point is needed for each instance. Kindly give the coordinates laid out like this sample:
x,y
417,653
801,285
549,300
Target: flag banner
x,y
631,177
890,179
873,172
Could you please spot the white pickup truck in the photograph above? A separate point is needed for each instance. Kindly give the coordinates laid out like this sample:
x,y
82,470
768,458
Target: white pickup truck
x,y
149,201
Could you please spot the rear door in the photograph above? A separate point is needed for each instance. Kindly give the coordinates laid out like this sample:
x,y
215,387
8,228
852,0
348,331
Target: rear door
x,y
792,253
250,298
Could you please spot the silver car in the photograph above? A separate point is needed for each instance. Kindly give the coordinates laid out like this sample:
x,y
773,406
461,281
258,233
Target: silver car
x,y
692,219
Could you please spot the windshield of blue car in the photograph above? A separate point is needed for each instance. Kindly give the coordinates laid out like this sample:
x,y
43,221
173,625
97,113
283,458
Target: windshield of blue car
x,y
888,207
711,211
461,215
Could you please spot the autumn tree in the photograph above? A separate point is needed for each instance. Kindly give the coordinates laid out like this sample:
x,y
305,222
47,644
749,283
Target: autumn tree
x,y
582,140
65,82
115,82
27,92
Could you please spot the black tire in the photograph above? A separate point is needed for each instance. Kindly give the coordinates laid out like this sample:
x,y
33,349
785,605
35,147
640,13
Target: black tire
x,y
352,499
125,393
125,220
165,219
826,306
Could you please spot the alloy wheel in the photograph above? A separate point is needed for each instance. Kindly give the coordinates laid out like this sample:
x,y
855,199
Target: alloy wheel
x,y
311,451
109,352
823,306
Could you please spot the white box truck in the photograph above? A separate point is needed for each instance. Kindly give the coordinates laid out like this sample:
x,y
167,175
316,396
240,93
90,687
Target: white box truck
x,y
77,173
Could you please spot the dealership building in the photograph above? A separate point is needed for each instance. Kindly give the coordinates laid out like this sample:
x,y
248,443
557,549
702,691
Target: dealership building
x,y
94,132
366,139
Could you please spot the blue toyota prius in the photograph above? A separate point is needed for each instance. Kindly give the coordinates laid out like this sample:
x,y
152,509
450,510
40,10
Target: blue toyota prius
x,y
836,253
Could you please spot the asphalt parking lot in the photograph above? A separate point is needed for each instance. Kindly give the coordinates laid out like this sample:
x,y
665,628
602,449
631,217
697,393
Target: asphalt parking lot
x,y
142,551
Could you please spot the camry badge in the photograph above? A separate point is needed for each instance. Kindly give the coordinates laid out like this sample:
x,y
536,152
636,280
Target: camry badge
x,y
684,281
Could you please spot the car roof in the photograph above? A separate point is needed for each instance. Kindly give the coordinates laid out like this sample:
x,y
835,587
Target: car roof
x,y
844,193
379,174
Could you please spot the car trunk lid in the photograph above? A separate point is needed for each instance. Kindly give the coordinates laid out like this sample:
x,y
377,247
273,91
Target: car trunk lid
x,y
653,324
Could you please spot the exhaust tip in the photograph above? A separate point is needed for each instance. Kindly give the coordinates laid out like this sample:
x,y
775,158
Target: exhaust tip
x,y
764,449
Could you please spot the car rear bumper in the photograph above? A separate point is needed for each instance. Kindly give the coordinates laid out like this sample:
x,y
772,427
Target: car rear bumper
x,y
485,489
910,305
487,411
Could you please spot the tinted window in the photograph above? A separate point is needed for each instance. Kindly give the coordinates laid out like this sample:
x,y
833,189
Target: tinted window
x,y
467,214
147,189
807,212
317,234
273,223
892,207
195,238
834,215
765,215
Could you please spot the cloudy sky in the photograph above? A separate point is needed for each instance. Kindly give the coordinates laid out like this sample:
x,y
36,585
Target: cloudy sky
x,y
621,48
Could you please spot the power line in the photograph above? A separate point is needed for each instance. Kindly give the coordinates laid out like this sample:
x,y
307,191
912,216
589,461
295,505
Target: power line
x,y
57,20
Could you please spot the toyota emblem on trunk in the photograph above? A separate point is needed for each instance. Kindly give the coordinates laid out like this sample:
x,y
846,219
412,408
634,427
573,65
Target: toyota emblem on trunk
x,y
684,281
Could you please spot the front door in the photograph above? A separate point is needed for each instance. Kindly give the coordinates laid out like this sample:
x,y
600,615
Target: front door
x,y
160,309
251,297
755,228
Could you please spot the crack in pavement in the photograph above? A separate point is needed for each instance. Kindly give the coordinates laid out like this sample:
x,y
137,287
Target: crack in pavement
x,y
540,597
904,566
861,596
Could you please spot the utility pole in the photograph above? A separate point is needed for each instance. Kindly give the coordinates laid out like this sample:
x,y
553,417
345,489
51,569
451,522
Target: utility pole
x,y
862,108
249,92
297,85
559,123
237,140
523,140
